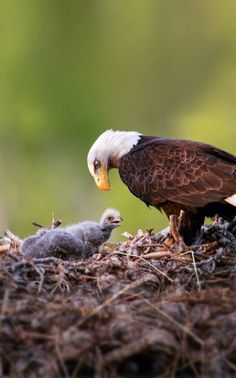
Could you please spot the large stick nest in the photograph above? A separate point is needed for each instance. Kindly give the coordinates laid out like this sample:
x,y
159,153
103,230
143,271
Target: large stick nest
x,y
137,309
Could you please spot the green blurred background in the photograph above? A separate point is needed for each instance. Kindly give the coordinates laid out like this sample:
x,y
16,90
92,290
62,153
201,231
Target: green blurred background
x,y
69,70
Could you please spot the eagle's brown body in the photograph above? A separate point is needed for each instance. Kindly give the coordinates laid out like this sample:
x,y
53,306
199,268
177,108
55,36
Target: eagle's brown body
x,y
174,175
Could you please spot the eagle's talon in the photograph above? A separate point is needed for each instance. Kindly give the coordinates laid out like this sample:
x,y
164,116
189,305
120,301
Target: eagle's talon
x,y
169,241
175,226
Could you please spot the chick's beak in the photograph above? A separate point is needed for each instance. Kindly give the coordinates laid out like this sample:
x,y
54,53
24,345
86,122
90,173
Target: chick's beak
x,y
117,221
101,178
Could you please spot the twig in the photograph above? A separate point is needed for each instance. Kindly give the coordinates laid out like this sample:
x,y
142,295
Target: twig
x,y
47,259
160,247
195,269
37,224
147,262
157,255
16,241
208,246
55,222
38,335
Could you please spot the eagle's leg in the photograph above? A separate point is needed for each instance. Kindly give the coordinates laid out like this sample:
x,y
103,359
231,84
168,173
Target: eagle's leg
x,y
181,218
175,226
174,236
184,224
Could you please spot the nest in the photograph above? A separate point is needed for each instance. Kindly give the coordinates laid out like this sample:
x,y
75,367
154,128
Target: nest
x,y
137,309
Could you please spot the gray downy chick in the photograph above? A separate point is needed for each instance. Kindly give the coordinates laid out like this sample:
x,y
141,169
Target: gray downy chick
x,y
95,234
72,242
53,243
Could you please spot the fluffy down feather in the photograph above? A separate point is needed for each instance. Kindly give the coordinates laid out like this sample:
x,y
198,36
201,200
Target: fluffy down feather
x,y
73,242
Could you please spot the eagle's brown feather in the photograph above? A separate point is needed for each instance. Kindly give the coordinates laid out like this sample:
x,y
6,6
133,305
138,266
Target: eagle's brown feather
x,y
180,174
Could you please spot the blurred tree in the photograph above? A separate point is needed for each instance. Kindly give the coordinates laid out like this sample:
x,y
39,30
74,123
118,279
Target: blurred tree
x,y
71,69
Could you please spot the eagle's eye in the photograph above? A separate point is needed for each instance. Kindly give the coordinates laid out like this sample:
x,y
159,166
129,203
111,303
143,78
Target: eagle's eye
x,y
97,165
110,218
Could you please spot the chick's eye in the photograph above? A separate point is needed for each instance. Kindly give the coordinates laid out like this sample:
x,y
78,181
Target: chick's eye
x,y
97,165
110,218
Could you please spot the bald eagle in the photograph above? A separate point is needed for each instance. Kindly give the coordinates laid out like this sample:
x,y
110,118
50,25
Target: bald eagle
x,y
169,174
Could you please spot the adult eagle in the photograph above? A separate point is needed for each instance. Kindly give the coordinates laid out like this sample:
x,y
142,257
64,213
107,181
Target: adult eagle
x,y
169,174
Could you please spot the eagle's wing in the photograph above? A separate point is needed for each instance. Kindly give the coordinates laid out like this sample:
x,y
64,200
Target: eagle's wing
x,y
189,173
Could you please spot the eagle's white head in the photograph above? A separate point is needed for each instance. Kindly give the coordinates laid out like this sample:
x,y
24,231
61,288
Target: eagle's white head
x,y
106,152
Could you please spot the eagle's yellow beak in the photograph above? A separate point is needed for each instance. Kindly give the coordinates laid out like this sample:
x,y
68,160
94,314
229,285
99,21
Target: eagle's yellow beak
x,y
101,178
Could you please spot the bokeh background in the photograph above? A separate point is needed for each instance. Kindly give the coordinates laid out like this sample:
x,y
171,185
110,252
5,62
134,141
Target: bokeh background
x,y
69,70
